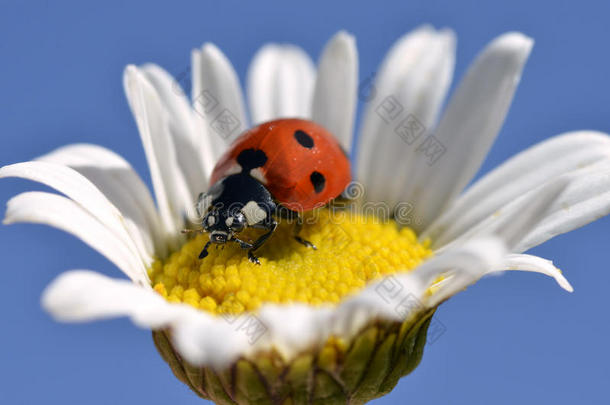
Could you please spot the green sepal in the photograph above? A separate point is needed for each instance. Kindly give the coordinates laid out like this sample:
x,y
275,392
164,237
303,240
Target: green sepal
x,y
366,368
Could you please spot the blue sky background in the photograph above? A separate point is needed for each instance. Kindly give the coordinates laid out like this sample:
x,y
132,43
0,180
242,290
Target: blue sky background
x,y
517,338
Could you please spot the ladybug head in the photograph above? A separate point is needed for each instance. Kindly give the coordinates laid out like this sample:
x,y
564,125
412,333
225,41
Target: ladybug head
x,y
219,220
223,223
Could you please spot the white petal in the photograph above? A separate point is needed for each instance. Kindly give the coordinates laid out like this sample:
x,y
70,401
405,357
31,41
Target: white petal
x,y
65,214
397,64
280,83
290,329
195,160
468,264
519,217
83,295
420,92
520,174
217,97
535,264
334,100
172,194
586,198
301,327
397,296
80,190
119,182
450,159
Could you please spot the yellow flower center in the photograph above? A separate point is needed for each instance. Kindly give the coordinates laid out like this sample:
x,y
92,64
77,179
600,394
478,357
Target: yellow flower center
x,y
352,250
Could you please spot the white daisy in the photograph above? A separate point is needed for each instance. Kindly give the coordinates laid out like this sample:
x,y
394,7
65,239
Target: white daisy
x,y
350,342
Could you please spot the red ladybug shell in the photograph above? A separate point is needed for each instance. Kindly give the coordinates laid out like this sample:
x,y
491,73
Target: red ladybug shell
x,y
305,166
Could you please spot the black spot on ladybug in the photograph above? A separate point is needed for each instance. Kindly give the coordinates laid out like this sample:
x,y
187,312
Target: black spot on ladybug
x,y
303,138
318,181
250,159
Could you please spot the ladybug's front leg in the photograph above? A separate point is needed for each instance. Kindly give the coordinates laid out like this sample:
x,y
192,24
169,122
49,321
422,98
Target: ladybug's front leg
x,y
271,225
204,251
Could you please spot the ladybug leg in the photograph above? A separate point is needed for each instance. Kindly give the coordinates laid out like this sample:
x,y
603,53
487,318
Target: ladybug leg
x,y
253,258
285,213
298,225
242,244
271,226
204,251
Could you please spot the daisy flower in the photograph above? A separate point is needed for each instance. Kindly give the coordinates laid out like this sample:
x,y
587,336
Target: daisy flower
x,y
344,323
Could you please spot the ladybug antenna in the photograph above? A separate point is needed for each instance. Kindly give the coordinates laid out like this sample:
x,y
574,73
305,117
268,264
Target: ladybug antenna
x,y
187,230
250,159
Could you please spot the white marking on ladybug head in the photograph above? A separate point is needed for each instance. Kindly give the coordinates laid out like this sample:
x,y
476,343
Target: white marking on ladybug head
x,y
229,221
211,220
258,175
253,213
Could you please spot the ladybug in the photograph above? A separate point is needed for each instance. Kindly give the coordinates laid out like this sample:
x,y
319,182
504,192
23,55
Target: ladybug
x,y
278,169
